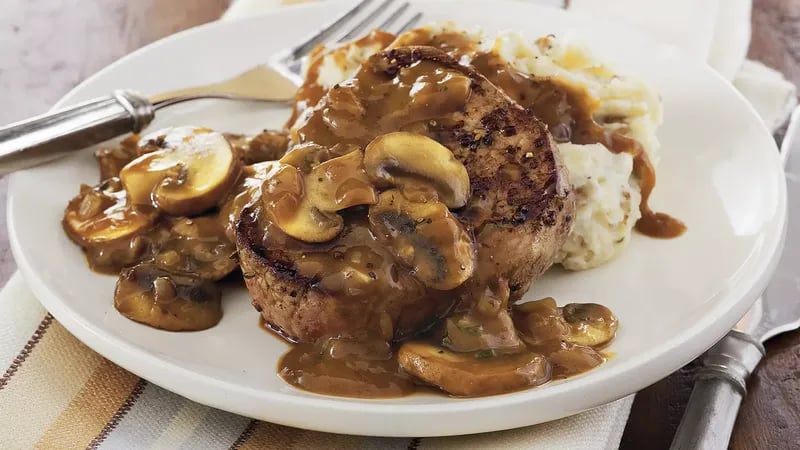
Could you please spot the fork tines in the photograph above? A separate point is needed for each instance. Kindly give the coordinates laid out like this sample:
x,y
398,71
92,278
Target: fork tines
x,y
383,16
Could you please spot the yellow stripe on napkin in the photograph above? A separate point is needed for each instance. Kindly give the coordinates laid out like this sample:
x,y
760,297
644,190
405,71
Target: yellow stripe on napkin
x,y
62,394
92,408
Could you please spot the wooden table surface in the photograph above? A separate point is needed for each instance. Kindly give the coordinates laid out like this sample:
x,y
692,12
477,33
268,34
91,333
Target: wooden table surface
x,y
47,47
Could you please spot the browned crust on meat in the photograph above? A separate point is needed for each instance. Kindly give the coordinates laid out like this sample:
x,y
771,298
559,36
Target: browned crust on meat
x,y
532,208
291,303
274,284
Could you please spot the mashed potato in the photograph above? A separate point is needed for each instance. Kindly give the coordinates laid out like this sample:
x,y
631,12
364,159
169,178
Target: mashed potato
x,y
339,66
607,200
607,194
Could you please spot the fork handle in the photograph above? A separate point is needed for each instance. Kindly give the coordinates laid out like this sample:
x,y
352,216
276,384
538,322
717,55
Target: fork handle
x,y
43,138
721,385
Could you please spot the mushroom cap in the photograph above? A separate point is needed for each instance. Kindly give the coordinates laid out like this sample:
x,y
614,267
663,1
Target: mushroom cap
x,y
586,324
102,214
472,374
286,205
590,324
196,245
166,300
191,172
304,205
425,237
415,163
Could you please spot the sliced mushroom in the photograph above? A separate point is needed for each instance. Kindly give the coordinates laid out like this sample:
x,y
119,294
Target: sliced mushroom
x,y
305,206
111,257
282,196
590,324
101,214
472,374
417,165
246,192
540,322
306,156
166,300
473,333
425,237
198,246
190,173
340,183
570,359
585,324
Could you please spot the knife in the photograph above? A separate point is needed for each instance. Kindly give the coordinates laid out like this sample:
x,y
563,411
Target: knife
x,y
721,380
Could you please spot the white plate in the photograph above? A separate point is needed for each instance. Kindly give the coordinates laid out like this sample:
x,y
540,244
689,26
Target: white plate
x,y
720,173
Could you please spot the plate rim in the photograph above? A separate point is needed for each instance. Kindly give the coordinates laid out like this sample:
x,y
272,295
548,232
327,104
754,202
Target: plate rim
x,y
161,372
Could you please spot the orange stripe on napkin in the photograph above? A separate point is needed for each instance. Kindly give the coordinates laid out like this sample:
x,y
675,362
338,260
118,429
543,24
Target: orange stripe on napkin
x,y
91,410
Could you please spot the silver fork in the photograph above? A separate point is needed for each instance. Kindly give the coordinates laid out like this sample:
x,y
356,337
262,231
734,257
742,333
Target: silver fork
x,y
289,62
46,137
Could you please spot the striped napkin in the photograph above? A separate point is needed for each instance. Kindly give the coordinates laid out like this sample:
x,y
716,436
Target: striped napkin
x,y
57,393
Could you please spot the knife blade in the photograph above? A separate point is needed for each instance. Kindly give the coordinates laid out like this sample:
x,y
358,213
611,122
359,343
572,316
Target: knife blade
x,y
781,301
721,382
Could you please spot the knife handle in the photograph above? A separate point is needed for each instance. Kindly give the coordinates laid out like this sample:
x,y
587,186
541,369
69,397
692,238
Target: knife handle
x,y
721,385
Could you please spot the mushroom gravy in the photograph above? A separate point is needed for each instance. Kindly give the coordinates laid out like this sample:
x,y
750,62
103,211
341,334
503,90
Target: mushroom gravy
x,y
405,250
555,347
374,213
167,264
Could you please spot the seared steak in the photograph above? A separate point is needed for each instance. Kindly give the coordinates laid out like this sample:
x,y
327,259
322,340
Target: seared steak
x,y
519,211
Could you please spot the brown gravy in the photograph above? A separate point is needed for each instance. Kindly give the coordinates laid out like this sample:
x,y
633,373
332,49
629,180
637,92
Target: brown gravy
x,y
198,246
319,368
360,371
360,271
568,112
371,104
310,92
369,368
